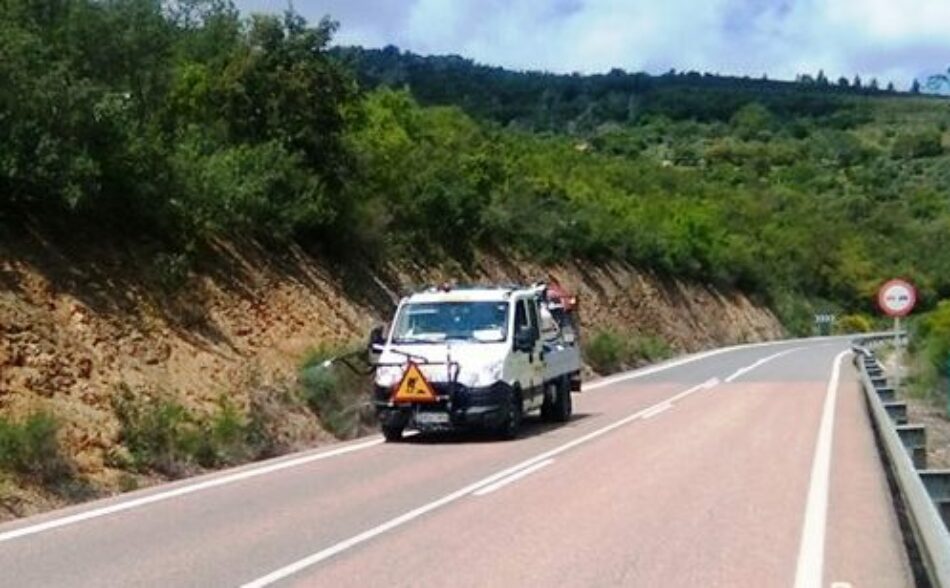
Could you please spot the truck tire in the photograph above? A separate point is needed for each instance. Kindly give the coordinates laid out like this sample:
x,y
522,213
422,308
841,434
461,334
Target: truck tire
x,y
550,398
393,433
563,404
510,424
392,426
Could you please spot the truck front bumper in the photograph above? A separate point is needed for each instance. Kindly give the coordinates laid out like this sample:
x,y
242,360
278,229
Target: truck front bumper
x,y
459,407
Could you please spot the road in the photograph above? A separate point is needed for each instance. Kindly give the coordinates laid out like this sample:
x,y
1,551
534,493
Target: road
x,y
751,466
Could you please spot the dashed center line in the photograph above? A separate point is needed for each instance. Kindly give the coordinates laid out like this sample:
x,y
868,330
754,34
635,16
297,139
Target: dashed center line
x,y
657,411
513,478
743,371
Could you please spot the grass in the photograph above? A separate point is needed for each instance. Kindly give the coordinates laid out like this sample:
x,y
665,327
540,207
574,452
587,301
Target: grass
x,y
608,350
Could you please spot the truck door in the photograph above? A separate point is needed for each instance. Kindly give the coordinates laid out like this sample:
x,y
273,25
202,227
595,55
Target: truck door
x,y
522,363
536,365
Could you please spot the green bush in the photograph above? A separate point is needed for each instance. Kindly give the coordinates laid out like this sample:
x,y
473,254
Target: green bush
x,y
853,323
605,351
608,351
336,394
31,448
918,144
160,433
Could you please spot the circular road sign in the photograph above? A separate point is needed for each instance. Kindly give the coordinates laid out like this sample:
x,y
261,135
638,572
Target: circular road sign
x,y
897,298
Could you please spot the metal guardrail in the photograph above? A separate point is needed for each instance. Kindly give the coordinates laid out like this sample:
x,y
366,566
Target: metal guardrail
x,y
925,494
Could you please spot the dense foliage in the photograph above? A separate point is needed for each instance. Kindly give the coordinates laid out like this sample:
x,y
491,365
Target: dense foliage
x,y
183,120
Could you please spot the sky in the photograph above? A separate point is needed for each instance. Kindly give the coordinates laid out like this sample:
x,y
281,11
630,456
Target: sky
x,y
892,40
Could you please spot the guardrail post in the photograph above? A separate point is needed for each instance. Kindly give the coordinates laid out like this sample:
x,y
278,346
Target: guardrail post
x,y
897,411
937,483
914,438
886,394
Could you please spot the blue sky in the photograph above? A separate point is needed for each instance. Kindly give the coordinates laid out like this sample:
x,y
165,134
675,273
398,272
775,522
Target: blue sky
x,y
893,40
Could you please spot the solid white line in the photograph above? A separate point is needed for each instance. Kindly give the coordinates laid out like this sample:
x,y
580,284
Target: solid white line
x,y
811,552
513,478
640,373
743,371
391,524
657,411
184,490
632,375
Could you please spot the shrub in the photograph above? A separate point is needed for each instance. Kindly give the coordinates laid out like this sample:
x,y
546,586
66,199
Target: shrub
x,y
336,394
853,323
919,144
608,351
162,435
604,351
31,448
159,433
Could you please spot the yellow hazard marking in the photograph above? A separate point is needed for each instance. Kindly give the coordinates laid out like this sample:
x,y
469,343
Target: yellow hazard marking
x,y
414,387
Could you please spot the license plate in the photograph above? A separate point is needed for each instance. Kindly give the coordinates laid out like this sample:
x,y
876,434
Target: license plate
x,y
432,418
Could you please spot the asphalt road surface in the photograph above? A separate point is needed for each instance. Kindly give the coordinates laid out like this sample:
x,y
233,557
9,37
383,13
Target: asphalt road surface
x,y
751,466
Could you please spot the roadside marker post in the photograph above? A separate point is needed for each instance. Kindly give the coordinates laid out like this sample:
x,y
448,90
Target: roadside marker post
x,y
824,322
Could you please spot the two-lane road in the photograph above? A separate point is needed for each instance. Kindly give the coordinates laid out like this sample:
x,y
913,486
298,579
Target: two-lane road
x,y
752,466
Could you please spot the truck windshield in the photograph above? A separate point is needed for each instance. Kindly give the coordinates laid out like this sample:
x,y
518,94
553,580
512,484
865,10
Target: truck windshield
x,y
432,322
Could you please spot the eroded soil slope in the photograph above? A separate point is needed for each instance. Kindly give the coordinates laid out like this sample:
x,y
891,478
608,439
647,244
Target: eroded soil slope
x,y
80,324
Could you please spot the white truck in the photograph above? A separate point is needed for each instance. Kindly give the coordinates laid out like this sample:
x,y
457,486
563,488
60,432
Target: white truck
x,y
476,358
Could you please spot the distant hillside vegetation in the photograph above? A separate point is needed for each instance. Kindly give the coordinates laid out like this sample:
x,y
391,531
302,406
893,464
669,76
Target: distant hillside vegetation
x,y
128,123
579,103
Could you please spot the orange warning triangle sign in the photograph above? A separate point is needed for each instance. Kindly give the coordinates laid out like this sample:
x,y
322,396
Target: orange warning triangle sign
x,y
414,387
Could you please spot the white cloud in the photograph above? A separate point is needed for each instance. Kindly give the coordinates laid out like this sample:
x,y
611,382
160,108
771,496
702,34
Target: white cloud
x,y
887,39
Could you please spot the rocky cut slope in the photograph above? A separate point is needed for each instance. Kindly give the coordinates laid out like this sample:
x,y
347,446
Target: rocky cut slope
x,y
89,333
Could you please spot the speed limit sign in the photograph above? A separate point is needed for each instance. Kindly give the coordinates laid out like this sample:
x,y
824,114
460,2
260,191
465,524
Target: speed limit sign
x,y
897,298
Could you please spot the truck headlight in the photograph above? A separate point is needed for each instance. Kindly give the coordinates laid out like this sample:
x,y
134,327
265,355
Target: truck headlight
x,y
487,375
388,376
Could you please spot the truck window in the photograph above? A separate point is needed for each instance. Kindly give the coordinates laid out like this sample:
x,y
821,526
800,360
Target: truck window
x,y
535,321
521,316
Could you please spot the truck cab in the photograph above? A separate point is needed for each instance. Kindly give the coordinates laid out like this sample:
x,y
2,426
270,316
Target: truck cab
x,y
476,358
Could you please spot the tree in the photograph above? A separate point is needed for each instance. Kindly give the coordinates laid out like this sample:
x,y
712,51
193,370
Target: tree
x,y
843,82
890,87
873,85
915,87
857,82
821,79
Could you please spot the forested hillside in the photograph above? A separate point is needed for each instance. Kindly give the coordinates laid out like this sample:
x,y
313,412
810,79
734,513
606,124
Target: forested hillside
x,y
174,123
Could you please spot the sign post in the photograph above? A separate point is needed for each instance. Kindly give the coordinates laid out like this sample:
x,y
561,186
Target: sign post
x,y
896,299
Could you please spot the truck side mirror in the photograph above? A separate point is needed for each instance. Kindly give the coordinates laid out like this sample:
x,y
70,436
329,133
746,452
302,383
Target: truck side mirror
x,y
376,339
524,340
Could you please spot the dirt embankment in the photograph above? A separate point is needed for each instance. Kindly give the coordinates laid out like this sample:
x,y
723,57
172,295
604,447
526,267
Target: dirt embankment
x,y
80,323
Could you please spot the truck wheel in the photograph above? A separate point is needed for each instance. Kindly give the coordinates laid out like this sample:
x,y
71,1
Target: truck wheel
x,y
563,404
392,424
514,411
547,407
393,433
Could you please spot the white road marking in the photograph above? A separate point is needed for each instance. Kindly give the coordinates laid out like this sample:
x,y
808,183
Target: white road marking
x,y
184,490
391,524
512,478
743,371
811,552
287,462
657,368
657,411
841,585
